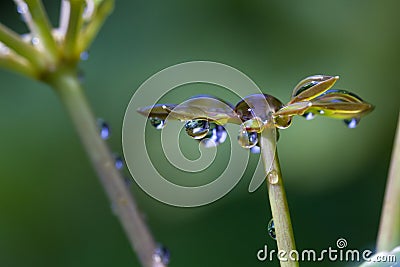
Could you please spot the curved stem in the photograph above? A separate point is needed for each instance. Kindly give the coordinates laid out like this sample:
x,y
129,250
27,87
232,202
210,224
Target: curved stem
x,y
74,27
71,95
13,41
90,31
277,199
42,28
389,229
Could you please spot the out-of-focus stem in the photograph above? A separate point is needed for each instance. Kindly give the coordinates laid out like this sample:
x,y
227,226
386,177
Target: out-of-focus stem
x,y
389,229
90,31
71,94
277,198
74,27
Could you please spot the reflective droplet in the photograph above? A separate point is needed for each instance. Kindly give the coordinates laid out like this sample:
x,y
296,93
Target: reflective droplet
x,y
161,255
283,122
22,9
216,135
271,229
84,55
35,41
352,123
247,139
309,116
157,123
321,112
104,129
119,162
253,125
197,128
273,177
255,149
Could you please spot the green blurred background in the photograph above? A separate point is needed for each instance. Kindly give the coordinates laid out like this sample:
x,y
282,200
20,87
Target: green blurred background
x,y
53,211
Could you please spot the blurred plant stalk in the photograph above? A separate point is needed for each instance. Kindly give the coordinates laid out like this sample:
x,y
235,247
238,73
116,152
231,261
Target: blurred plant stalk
x,y
389,228
51,56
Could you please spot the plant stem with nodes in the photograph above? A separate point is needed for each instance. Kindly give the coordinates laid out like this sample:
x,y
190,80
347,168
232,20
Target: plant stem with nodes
x,y
277,198
389,229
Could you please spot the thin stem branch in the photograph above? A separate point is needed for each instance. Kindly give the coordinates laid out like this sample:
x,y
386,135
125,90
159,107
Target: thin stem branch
x,y
71,95
42,28
277,198
74,27
389,229
13,41
90,31
20,66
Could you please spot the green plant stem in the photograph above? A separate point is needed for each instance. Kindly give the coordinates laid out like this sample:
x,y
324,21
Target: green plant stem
x,y
13,41
42,28
74,27
277,198
389,229
18,65
90,31
71,95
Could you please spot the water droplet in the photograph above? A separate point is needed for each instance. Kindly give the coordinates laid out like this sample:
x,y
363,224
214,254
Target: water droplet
x,y
255,149
157,123
321,112
271,229
283,122
216,135
84,55
35,41
197,128
247,139
273,177
309,116
104,129
352,123
161,255
22,9
253,125
119,162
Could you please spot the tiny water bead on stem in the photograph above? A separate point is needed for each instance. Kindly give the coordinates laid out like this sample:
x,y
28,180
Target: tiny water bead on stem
x,y
259,117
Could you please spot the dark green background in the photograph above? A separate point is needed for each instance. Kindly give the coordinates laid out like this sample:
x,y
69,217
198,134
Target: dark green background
x,y
53,211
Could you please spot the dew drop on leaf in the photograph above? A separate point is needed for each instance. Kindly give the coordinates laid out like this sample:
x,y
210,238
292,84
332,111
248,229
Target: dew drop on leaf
x,y
352,123
216,135
247,139
197,128
157,123
309,116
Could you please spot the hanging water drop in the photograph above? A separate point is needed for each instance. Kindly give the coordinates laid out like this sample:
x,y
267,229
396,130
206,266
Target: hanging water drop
x,y
216,135
309,116
254,125
104,129
271,229
197,128
352,123
119,162
247,139
255,149
22,9
84,55
157,123
161,255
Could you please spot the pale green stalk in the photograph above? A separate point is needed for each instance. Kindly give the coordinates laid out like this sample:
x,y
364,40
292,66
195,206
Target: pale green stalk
x,y
389,229
277,198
